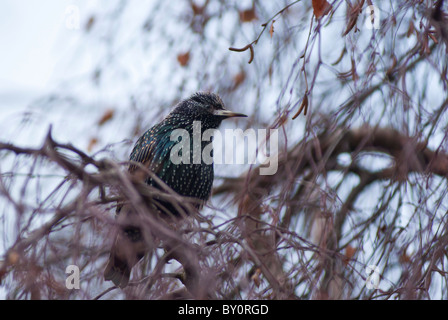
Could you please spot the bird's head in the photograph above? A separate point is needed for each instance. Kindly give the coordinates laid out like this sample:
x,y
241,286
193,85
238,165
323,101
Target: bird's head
x,y
213,104
206,107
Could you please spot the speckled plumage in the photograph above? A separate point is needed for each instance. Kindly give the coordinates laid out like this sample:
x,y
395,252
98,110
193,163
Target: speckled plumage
x,y
153,150
154,146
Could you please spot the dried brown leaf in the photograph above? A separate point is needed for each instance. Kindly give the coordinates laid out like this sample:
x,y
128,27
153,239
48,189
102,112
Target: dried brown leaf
x,y
353,15
92,143
89,23
107,116
248,15
256,277
183,58
321,7
349,253
271,29
239,78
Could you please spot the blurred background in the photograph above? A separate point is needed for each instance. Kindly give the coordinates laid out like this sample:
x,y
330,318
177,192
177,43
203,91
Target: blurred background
x,y
360,107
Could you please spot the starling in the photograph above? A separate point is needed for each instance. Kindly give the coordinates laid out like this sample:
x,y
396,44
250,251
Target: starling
x,y
193,179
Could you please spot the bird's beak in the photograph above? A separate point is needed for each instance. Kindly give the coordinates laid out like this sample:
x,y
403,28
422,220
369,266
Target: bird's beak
x,y
227,113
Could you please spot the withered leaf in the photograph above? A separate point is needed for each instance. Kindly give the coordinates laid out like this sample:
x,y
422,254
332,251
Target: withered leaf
x,y
107,115
256,277
353,14
92,143
248,15
349,253
89,23
321,8
183,58
271,29
239,78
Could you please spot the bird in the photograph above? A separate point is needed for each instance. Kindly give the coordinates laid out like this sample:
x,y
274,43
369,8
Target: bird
x,y
153,151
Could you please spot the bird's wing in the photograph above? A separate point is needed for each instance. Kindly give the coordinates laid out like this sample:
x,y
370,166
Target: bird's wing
x,y
152,150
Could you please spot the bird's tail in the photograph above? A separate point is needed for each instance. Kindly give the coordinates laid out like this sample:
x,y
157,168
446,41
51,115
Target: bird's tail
x,y
117,271
129,247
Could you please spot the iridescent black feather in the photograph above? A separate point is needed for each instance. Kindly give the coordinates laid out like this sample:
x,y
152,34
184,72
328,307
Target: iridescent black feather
x,y
153,150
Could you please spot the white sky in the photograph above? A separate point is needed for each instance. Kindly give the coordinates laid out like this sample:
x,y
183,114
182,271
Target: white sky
x,y
36,44
28,33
